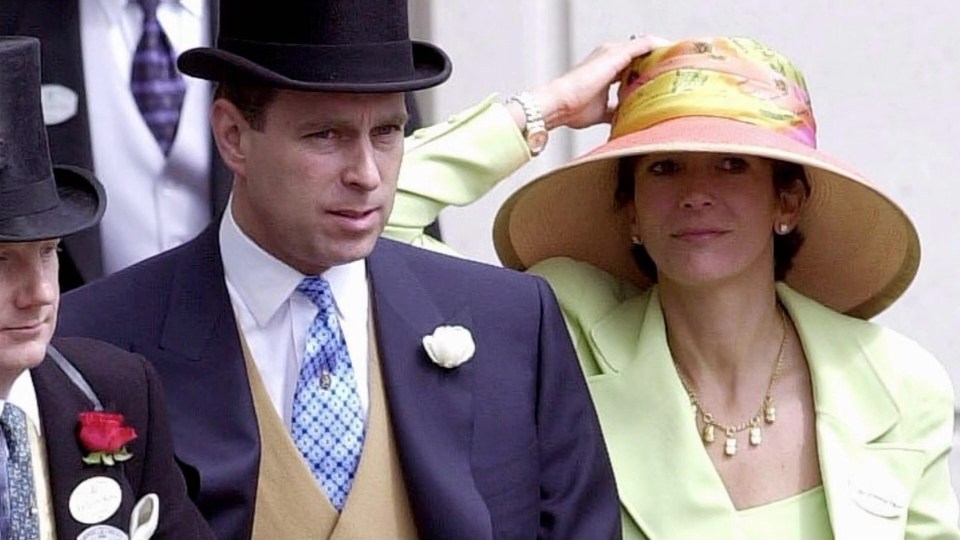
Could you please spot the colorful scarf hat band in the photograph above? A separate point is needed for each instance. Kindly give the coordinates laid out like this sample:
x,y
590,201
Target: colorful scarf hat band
x,y
734,78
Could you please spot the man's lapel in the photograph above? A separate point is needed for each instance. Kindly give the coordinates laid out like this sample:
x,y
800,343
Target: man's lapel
x,y
60,403
200,362
430,407
201,317
645,412
866,482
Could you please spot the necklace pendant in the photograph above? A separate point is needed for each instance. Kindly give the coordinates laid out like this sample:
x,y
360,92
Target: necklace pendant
x,y
769,412
708,435
325,379
756,437
730,446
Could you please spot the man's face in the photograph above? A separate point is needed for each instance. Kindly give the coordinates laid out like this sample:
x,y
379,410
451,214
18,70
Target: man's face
x,y
315,186
29,295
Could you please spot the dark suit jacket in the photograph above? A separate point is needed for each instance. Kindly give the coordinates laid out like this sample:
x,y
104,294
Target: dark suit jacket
x,y
125,384
505,446
57,24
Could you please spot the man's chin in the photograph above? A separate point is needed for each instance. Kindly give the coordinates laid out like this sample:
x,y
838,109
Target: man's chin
x,y
23,356
344,253
356,251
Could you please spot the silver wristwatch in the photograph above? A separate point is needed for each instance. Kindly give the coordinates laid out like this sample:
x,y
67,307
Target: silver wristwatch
x,y
535,131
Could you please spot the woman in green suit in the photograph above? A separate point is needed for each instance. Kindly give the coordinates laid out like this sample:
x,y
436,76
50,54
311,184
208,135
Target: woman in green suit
x,y
716,272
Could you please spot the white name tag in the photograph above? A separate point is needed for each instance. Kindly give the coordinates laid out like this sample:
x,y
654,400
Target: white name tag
x,y
95,500
879,497
102,532
58,103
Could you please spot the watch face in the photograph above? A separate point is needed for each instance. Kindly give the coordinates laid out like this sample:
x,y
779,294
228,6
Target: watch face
x,y
537,140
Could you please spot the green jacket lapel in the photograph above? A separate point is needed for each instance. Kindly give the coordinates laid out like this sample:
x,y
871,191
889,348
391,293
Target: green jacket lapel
x,y
668,486
865,480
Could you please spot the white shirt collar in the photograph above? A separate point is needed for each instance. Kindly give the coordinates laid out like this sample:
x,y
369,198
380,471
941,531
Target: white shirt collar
x,y
195,7
264,282
115,6
118,13
24,395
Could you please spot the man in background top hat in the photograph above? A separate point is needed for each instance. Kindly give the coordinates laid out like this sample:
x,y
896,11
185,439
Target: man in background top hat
x,y
83,427
324,383
100,106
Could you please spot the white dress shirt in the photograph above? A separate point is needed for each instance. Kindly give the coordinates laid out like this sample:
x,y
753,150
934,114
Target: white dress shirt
x,y
23,395
275,318
155,202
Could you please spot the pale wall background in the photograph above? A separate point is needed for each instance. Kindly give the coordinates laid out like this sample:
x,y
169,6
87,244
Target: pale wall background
x,y
884,76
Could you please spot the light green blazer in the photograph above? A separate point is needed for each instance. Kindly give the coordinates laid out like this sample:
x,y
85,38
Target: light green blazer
x,y
884,417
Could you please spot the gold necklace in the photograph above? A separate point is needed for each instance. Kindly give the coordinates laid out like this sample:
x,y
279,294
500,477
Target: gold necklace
x,y
767,412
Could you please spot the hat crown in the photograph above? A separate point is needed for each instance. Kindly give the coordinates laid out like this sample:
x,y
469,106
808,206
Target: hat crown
x,y
37,200
24,151
318,45
315,22
728,77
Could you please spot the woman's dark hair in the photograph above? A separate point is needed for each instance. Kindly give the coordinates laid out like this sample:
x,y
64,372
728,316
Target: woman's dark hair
x,y
250,100
785,247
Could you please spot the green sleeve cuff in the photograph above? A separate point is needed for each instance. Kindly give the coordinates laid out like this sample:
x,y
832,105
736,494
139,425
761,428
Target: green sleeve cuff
x,y
455,163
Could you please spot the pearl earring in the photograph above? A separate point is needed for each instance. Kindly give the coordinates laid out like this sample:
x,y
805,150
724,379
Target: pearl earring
x,y
635,240
783,228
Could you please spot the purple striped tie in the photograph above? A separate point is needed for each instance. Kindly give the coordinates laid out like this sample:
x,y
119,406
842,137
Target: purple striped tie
x,y
157,86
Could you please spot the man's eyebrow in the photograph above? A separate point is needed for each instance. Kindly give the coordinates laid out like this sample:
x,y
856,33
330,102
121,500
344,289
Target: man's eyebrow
x,y
324,123
398,118
345,123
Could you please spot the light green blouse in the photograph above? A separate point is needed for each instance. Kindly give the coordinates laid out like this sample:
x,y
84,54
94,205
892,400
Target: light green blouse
x,y
800,517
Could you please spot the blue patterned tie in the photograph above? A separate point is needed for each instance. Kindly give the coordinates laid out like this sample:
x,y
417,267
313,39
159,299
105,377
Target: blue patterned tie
x,y
18,497
157,86
327,424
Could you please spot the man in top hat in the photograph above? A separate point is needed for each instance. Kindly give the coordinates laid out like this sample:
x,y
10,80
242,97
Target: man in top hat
x,y
144,132
324,383
83,427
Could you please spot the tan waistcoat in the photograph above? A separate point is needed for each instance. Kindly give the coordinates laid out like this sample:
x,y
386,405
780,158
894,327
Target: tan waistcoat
x,y
290,505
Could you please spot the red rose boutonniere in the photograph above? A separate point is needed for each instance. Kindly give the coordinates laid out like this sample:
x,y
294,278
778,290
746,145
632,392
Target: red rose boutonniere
x,y
105,436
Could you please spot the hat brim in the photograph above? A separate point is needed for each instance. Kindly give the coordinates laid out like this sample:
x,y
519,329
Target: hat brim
x,y
431,65
860,251
82,203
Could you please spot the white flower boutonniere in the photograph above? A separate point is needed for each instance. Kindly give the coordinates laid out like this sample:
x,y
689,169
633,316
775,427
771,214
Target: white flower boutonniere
x,y
449,346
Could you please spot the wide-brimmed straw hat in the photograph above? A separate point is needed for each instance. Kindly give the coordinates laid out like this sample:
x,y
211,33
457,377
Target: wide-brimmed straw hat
x,y
314,45
724,95
37,200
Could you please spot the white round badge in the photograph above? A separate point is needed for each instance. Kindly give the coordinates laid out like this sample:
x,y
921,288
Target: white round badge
x,y
102,532
95,500
58,103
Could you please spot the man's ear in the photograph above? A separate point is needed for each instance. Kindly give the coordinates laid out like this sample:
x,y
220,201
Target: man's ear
x,y
229,129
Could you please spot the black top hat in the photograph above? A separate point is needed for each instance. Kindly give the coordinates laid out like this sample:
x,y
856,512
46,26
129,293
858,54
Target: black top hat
x,y
318,45
37,201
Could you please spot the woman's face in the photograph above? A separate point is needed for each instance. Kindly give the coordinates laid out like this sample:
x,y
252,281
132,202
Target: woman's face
x,y
705,218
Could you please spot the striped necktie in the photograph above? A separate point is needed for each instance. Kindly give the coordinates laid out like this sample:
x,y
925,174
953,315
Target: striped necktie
x,y
157,86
